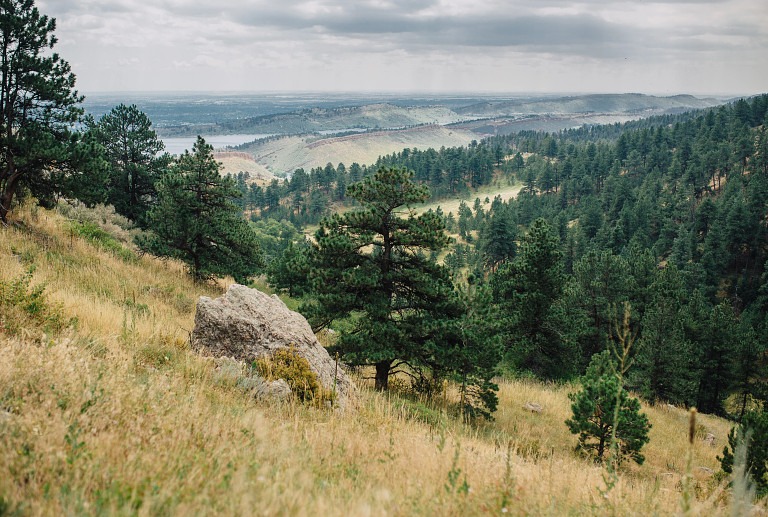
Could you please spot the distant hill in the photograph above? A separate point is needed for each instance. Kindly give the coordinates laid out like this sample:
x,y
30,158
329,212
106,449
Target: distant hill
x,y
635,103
286,154
311,120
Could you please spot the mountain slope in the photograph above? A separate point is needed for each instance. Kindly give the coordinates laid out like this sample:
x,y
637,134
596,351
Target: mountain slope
x,y
599,103
118,416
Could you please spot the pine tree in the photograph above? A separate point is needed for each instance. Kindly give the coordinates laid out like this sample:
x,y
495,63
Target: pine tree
x,y
594,408
38,104
132,149
290,271
526,291
467,346
664,363
372,266
196,221
754,429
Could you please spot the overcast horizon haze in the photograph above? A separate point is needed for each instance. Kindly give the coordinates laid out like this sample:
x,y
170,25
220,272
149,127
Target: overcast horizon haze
x,y
707,47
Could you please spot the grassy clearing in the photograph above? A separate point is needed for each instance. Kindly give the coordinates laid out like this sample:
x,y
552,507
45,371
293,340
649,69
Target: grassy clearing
x,y
500,187
114,415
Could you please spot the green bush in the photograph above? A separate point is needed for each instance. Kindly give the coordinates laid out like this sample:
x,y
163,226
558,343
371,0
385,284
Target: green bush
x,y
287,364
23,306
100,238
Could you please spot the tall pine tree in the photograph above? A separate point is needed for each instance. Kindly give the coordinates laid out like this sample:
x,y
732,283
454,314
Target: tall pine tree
x,y
373,266
196,221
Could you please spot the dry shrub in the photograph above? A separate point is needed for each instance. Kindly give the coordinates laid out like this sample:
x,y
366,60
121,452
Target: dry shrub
x,y
287,364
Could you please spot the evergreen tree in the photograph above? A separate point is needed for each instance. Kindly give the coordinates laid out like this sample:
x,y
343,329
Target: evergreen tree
x,y
498,236
467,345
290,271
196,221
594,408
38,104
715,359
754,429
371,266
664,363
131,147
601,283
526,291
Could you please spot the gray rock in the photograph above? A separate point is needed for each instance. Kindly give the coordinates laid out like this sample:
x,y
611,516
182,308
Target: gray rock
x,y
533,407
246,324
278,390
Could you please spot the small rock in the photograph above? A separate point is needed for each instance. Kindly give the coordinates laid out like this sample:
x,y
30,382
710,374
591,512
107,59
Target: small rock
x,y
706,470
278,390
533,407
710,439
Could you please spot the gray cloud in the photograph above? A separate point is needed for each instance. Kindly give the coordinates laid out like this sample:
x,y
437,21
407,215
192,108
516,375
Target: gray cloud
x,y
245,41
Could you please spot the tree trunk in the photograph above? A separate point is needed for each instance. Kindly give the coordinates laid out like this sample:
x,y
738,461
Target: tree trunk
x,y
382,375
6,196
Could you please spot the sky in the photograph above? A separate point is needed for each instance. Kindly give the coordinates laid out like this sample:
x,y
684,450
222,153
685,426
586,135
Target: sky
x,y
701,47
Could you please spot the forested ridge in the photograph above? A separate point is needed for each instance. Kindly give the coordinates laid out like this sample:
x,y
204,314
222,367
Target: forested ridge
x,y
666,214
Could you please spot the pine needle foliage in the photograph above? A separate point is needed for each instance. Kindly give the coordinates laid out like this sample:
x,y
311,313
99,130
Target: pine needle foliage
x,y
375,263
594,408
196,221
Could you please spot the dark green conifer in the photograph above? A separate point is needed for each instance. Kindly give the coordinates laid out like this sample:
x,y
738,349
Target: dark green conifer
x,y
196,221
373,266
594,408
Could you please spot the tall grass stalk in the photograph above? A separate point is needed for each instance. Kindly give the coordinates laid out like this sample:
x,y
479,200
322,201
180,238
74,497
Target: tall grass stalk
x,y
621,351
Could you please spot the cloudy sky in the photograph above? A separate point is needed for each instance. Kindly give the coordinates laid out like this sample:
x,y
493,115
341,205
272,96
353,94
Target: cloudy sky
x,y
662,47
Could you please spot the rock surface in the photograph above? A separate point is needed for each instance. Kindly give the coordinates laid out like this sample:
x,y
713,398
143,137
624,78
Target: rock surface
x,y
533,407
246,324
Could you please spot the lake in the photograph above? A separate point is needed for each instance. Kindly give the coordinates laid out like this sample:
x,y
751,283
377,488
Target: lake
x,y
178,145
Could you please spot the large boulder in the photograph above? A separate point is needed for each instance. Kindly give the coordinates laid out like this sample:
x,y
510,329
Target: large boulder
x,y
246,324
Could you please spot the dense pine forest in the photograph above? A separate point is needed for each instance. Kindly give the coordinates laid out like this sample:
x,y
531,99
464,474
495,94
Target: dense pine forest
x,y
666,215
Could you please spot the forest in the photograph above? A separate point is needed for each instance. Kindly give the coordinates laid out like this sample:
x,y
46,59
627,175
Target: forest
x,y
666,214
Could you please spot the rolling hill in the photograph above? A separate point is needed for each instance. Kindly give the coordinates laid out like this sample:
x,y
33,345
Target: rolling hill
x,y
284,155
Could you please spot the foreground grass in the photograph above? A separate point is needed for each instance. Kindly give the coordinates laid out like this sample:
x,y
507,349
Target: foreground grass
x,y
116,416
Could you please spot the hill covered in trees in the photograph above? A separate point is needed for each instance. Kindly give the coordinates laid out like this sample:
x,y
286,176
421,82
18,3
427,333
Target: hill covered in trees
x,y
666,214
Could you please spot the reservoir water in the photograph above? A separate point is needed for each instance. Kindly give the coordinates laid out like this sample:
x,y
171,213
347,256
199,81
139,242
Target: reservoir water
x,y
177,145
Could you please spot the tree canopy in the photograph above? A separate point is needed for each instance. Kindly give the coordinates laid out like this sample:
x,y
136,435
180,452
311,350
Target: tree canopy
x,y
38,104
372,265
196,221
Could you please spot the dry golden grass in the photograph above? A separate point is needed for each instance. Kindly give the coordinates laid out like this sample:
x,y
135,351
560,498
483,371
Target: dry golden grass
x,y
118,417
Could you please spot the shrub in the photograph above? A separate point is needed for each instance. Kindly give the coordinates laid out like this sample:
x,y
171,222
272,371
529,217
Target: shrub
x,y
23,306
287,364
100,238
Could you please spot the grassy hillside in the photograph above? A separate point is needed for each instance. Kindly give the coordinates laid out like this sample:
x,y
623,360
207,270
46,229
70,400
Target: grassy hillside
x,y
234,162
325,119
113,414
289,153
